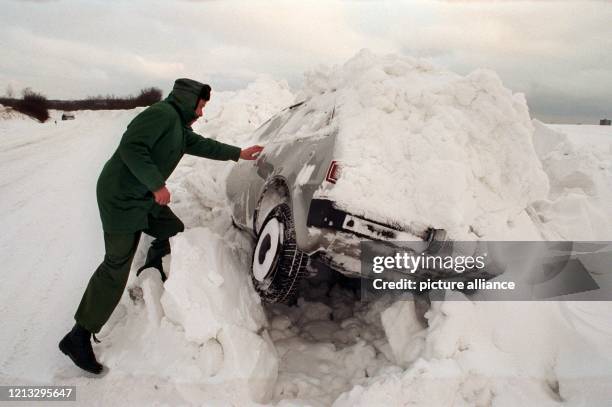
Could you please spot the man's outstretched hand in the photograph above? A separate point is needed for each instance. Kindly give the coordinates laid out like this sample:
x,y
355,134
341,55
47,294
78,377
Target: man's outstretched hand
x,y
162,196
250,153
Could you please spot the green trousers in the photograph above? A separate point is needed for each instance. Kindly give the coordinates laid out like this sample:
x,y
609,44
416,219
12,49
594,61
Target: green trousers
x,y
108,282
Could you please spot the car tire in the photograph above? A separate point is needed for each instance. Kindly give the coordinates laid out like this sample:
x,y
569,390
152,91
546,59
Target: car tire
x,y
277,264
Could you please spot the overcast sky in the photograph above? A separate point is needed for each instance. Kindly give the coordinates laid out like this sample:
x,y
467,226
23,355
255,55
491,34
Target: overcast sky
x,y
559,53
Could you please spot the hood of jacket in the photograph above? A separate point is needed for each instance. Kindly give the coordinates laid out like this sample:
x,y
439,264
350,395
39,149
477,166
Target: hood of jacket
x,y
185,94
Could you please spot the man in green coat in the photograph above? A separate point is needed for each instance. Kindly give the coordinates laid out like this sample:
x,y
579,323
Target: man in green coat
x,y
133,198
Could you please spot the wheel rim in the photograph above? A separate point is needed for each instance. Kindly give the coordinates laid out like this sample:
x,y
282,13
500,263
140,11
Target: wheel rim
x,y
267,250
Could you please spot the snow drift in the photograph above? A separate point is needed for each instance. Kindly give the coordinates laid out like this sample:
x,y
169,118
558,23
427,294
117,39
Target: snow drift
x,y
578,207
429,146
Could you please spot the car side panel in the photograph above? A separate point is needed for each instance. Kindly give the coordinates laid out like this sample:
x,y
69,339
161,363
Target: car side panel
x,y
247,179
303,163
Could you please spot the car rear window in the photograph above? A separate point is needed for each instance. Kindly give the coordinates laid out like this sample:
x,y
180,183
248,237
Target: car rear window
x,y
304,121
268,130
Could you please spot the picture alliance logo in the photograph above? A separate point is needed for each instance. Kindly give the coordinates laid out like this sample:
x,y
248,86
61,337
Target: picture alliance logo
x,y
411,263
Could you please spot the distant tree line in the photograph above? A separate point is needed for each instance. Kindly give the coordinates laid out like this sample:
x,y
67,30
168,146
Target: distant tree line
x,y
37,105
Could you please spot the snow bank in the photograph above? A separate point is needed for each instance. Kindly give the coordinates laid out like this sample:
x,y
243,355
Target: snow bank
x,y
8,113
404,332
580,175
208,288
437,148
211,297
502,354
232,116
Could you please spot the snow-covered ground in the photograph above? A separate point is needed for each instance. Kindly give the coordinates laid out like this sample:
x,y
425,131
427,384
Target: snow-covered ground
x,y
204,338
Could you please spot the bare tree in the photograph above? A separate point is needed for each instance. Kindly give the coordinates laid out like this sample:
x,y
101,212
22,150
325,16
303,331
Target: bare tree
x,y
34,104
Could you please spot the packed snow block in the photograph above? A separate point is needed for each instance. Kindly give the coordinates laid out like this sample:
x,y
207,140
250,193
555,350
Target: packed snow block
x,y
210,295
403,331
525,345
213,361
208,287
250,360
440,149
152,290
435,383
574,216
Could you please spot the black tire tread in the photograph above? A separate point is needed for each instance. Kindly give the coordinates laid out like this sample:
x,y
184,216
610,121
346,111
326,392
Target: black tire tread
x,y
291,265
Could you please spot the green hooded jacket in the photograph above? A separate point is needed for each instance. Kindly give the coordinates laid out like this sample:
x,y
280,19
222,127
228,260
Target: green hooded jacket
x,y
150,149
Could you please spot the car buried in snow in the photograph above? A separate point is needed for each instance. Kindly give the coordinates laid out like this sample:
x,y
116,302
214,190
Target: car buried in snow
x,y
282,200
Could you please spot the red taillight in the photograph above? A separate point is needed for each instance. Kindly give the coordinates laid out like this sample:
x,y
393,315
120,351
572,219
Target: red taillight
x,y
334,172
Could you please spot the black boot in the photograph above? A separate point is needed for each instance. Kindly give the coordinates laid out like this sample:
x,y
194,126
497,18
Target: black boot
x,y
77,345
159,248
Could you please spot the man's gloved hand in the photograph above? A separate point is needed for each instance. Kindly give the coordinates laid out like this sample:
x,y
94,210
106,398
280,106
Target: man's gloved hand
x,y
162,196
250,153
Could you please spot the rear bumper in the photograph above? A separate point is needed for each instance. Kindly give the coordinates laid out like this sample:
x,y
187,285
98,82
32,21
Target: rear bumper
x,y
323,214
339,244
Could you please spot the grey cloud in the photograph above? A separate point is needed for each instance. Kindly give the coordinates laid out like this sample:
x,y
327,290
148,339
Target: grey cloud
x,y
551,52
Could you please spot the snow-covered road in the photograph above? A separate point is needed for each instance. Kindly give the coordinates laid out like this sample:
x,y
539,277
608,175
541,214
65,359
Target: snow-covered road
x,y
50,237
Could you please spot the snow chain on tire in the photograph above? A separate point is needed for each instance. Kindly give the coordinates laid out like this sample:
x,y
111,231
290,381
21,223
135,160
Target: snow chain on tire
x,y
281,284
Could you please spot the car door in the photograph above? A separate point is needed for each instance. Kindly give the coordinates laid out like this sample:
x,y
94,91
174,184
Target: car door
x,y
300,153
247,178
